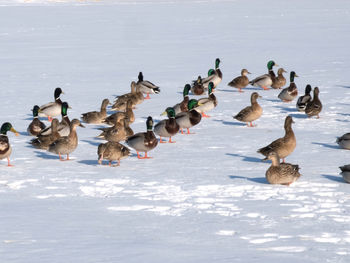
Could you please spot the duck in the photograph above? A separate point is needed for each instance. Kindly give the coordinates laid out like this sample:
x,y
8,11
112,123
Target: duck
x,y
63,126
314,107
147,87
288,94
240,82
283,146
116,133
5,147
135,96
281,173
96,117
345,172
182,106
44,141
112,151
280,80
207,104
250,113
168,127
344,141
52,109
36,126
188,119
143,141
305,99
66,144
198,87
266,80
111,119
214,75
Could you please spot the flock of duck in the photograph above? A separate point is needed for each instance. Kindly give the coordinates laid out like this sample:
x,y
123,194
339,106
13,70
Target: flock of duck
x,y
61,136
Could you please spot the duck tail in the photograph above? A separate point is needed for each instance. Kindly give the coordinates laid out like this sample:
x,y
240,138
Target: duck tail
x,y
156,90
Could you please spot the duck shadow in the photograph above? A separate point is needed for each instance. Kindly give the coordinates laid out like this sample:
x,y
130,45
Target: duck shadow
x,y
331,146
93,143
272,100
298,116
25,134
338,179
89,162
260,180
285,109
228,90
343,86
245,158
342,120
232,123
343,114
45,155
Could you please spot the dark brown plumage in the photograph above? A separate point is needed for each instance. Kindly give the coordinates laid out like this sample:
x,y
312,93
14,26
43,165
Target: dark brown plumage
x,y
314,107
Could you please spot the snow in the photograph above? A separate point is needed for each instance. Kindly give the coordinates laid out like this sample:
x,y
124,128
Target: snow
x,y
204,198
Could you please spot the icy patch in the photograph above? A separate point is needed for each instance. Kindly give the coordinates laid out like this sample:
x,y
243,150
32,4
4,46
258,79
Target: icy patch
x,y
226,233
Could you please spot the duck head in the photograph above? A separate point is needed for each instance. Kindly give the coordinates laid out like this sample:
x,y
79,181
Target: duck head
x,y
270,64
186,90
58,92
35,111
292,76
7,127
217,63
149,123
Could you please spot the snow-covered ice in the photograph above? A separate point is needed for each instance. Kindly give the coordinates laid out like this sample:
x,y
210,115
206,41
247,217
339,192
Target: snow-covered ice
x,y
204,198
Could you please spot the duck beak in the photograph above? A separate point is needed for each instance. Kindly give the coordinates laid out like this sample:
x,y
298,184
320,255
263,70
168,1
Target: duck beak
x,y
14,131
259,96
249,72
81,125
265,159
276,65
199,103
296,76
62,92
163,114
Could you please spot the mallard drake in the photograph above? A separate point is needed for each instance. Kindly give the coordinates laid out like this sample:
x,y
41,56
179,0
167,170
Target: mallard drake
x,y
188,119
250,113
305,99
182,106
198,87
112,151
135,96
314,107
214,76
288,94
168,127
36,126
207,104
116,133
240,82
63,126
66,144
5,147
44,141
147,87
281,173
266,80
96,117
345,172
283,146
111,120
344,141
280,80
52,109
143,141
